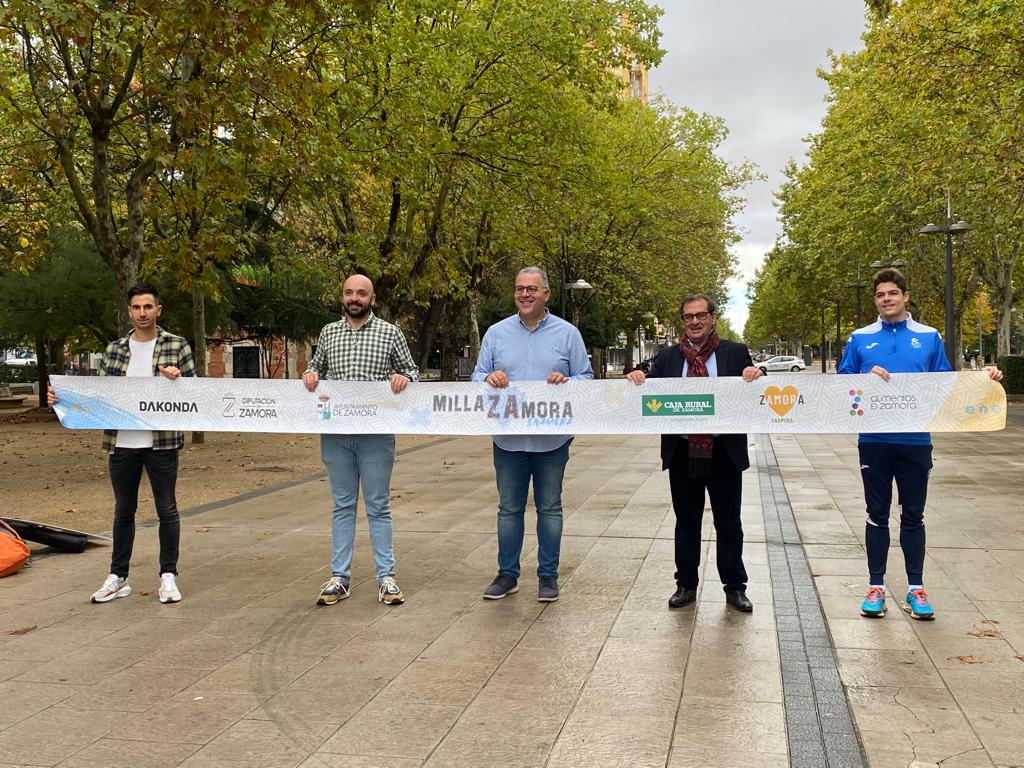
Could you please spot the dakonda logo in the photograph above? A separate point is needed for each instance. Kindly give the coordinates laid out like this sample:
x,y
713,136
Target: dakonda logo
x,y
679,405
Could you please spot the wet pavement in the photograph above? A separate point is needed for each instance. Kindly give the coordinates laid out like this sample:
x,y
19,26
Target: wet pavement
x,y
247,671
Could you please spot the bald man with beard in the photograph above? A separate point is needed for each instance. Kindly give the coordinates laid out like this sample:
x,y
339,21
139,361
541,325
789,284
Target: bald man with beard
x,y
360,347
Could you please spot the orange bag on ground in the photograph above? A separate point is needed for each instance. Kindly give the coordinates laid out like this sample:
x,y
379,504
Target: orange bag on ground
x,y
13,551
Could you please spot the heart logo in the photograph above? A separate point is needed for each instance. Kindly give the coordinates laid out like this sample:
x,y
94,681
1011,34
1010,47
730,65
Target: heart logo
x,y
781,400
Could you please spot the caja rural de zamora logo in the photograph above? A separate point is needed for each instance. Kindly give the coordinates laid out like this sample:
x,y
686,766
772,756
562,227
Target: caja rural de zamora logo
x,y
679,405
856,402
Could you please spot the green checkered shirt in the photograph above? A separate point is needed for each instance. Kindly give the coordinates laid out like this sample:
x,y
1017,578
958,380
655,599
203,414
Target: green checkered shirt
x,y
169,350
370,353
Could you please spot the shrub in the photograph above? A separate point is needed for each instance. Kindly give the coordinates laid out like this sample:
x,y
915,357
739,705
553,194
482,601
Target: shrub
x,y
1012,367
18,374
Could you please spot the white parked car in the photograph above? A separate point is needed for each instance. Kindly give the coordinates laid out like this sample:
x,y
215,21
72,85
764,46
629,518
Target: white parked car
x,y
782,363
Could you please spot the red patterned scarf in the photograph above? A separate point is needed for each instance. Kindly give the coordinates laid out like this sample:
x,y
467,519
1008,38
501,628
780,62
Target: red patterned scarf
x,y
701,446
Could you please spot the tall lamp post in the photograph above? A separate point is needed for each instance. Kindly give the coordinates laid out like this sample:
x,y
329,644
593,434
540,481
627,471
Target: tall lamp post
x,y
575,285
951,228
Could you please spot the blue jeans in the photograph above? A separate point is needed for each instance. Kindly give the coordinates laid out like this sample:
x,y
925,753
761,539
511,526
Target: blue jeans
x,y
513,470
351,461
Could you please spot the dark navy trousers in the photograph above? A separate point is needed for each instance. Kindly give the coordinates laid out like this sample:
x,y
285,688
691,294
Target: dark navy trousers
x,y
908,465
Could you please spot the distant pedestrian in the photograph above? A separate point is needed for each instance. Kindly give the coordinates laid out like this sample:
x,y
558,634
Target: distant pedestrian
x,y
531,345
896,343
360,347
711,464
147,350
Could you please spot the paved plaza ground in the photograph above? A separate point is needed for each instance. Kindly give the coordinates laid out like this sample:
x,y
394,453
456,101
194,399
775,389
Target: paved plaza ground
x,y
247,671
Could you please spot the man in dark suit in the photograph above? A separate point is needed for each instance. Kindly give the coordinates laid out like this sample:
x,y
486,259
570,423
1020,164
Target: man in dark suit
x,y
699,463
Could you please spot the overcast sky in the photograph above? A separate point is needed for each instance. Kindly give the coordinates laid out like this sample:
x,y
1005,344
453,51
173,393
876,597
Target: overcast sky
x,y
754,63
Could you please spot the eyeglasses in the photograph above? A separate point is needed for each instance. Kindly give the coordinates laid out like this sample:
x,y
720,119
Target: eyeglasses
x,y
529,290
689,316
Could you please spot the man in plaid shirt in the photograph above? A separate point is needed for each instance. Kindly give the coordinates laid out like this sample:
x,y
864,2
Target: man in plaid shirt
x,y
147,350
360,347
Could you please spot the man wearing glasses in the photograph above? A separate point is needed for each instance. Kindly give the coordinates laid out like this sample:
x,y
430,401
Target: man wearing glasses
x,y
711,463
531,345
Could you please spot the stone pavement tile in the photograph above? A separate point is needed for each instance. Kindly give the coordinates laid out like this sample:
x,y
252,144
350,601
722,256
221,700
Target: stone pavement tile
x,y
846,566
1002,734
359,658
189,717
9,669
719,725
705,758
54,734
848,586
862,667
715,612
980,688
432,682
119,753
422,726
837,552
874,634
614,741
483,749
21,700
1010,620
85,666
727,679
48,643
568,625
326,760
559,667
255,673
325,706
979,575
307,637
251,743
133,689
198,651
153,633
908,699
741,643
258,622
674,624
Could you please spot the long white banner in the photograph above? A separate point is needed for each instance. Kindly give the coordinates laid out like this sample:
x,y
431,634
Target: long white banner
x,y
967,401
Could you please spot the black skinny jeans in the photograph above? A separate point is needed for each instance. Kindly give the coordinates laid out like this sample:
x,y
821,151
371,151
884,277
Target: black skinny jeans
x,y
126,466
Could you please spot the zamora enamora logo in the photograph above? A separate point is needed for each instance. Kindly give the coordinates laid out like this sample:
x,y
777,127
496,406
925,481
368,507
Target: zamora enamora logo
x,y
679,405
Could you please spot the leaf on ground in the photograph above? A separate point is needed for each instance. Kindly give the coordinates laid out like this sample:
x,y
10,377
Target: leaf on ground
x,y
69,511
203,530
144,594
985,633
23,630
1019,658
989,621
969,660
255,557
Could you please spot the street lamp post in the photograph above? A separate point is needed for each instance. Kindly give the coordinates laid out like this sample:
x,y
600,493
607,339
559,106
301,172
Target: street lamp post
x,y
575,285
951,228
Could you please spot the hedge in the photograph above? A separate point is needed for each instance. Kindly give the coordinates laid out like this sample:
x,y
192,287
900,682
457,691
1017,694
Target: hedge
x,y
18,374
1012,367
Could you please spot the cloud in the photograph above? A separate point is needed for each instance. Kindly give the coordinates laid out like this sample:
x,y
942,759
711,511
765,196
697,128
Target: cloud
x,y
754,64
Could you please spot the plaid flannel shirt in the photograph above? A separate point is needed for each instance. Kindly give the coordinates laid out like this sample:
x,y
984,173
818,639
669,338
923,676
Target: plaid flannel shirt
x,y
370,353
169,350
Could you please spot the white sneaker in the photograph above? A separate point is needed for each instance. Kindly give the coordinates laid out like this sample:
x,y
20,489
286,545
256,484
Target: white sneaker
x,y
112,588
168,589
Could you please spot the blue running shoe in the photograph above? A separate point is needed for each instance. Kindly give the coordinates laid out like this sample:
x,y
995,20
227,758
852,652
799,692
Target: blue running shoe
x,y
918,605
874,604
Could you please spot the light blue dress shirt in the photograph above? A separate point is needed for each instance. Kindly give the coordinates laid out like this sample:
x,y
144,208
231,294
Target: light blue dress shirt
x,y
525,355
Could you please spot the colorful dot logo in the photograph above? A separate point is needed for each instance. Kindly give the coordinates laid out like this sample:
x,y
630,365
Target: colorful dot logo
x,y
857,405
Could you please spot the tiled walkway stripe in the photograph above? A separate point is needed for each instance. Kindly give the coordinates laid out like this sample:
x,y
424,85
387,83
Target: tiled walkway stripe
x,y
818,719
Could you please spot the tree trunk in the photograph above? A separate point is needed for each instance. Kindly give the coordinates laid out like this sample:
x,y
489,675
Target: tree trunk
x,y
425,337
43,368
449,368
474,327
597,356
199,347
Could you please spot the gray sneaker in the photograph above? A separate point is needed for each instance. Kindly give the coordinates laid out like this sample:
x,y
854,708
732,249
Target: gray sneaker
x,y
501,586
333,590
547,589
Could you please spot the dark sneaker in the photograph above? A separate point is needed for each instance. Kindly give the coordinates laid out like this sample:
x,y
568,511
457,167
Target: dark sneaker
x,y
547,590
501,586
333,590
389,593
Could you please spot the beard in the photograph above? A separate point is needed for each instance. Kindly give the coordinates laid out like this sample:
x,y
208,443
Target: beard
x,y
357,310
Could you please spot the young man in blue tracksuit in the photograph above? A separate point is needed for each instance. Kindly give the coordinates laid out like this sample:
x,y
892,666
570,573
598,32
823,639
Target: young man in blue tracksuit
x,y
896,343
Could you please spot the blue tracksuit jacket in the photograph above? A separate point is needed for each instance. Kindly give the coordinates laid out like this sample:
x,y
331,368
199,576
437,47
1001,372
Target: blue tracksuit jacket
x,y
904,347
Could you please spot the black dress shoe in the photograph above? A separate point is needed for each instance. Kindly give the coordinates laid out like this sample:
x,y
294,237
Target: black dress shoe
x,y
737,598
683,596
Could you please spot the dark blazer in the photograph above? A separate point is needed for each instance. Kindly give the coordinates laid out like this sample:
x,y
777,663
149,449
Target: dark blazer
x,y
731,358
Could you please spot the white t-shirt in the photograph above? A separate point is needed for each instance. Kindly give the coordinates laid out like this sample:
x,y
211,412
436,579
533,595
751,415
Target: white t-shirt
x,y
139,364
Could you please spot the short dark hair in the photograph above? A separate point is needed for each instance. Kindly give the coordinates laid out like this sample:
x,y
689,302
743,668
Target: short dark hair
x,y
140,288
890,275
712,306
